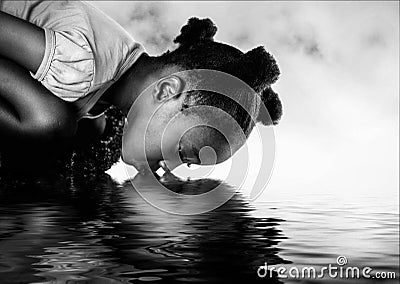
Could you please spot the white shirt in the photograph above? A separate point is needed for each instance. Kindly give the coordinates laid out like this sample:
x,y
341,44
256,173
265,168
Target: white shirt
x,y
86,51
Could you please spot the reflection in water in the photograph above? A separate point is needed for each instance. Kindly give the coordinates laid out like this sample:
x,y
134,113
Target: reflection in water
x,y
60,230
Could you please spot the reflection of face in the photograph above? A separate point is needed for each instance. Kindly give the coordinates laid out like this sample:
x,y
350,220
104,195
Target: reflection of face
x,y
172,136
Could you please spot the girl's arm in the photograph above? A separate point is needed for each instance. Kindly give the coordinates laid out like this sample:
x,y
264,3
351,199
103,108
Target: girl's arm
x,y
30,112
21,42
27,109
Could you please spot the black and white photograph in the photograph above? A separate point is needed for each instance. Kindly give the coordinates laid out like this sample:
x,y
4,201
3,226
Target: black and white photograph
x,y
199,142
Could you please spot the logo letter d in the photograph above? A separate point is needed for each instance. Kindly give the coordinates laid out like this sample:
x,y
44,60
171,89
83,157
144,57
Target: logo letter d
x,y
262,270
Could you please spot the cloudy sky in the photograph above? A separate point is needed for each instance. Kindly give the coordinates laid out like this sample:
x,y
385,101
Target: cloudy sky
x,y
339,82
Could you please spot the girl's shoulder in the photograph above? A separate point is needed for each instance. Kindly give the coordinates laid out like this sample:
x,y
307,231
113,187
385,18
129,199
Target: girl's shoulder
x,y
85,48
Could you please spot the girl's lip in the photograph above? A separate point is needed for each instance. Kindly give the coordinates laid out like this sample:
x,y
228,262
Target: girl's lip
x,y
163,165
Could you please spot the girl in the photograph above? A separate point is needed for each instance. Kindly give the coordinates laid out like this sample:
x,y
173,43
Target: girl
x,y
64,62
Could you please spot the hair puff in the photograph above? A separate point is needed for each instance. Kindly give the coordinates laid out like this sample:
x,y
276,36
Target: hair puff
x,y
273,105
195,31
261,68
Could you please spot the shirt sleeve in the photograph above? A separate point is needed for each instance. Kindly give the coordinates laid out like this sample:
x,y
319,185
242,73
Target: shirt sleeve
x,y
68,66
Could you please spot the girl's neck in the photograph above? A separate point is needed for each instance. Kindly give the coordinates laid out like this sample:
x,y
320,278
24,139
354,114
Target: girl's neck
x,y
130,85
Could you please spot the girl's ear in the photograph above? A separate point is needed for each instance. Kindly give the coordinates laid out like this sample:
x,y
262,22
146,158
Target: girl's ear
x,y
167,88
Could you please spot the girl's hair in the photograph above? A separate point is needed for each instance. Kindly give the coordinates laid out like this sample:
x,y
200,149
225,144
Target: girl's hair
x,y
198,50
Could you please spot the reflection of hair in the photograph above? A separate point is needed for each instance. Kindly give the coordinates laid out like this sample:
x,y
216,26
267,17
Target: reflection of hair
x,y
198,50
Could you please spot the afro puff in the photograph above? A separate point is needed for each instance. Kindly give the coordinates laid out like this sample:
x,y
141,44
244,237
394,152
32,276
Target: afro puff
x,y
196,31
273,105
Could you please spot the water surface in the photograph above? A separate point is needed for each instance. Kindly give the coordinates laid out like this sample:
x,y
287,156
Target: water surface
x,y
97,231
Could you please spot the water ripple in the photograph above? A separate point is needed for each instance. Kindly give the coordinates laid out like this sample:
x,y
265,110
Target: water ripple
x,y
97,231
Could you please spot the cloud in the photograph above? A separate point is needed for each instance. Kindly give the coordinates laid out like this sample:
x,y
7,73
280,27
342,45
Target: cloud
x,y
305,43
149,21
375,39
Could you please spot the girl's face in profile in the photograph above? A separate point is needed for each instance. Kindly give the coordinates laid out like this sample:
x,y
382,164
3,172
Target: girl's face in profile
x,y
158,130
